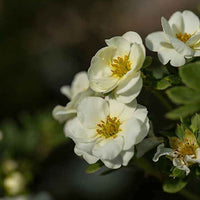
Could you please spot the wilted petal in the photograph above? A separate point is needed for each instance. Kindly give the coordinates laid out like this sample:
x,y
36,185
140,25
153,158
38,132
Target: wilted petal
x,y
162,151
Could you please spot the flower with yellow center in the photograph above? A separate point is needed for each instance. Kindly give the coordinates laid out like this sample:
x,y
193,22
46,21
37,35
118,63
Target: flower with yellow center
x,y
180,38
107,130
115,69
183,152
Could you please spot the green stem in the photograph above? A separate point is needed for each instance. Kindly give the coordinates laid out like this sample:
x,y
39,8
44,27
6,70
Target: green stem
x,y
147,167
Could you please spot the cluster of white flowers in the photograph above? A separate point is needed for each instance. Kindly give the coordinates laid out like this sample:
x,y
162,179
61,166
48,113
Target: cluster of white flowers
x,y
103,117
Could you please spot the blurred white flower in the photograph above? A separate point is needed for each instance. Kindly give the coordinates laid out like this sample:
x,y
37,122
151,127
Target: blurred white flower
x,y
179,39
107,130
116,67
14,183
183,152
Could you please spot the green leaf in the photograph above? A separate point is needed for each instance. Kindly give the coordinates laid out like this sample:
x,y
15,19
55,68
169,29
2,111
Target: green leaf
x,y
190,75
147,62
174,185
163,84
195,123
183,111
180,132
173,79
183,95
159,71
177,173
94,167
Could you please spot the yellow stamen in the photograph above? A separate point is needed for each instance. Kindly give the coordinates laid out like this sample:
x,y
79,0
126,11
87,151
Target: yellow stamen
x,y
120,66
109,128
187,146
183,37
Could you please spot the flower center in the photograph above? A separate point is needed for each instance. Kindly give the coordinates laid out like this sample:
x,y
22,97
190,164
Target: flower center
x,y
109,128
183,37
120,66
187,149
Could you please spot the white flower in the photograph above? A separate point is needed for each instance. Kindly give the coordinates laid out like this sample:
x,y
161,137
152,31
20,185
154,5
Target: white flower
x,y
107,130
14,183
116,67
179,39
80,83
78,91
183,152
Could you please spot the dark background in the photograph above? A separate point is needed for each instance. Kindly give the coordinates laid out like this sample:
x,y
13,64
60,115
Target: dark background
x,y
43,43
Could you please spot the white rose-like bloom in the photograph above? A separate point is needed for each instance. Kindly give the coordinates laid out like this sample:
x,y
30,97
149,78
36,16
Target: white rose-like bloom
x,y
179,39
107,130
78,91
116,67
183,152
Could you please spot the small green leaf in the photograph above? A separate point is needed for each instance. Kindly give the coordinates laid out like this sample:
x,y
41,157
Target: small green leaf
x,y
147,62
183,111
174,185
195,123
183,95
163,84
94,167
177,173
159,72
180,132
190,75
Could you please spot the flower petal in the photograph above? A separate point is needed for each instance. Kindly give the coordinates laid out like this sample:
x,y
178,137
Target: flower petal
x,y
108,149
176,23
77,132
179,164
66,90
113,164
133,37
136,57
166,27
62,113
85,150
127,155
80,83
169,54
147,144
156,41
181,47
130,131
92,110
120,43
162,151
128,111
129,89
191,22
100,75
